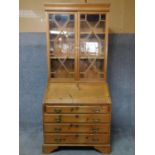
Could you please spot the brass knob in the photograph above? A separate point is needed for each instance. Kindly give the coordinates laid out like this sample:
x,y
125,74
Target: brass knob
x,y
57,129
57,111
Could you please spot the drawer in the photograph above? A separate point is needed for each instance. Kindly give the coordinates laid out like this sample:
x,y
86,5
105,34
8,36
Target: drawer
x,y
77,118
76,138
79,128
77,109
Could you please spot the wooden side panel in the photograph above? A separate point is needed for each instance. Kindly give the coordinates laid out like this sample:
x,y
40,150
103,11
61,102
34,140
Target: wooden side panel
x,y
106,47
48,148
104,149
48,45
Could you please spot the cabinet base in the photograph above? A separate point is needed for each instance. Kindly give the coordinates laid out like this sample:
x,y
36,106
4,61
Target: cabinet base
x,y
48,148
103,149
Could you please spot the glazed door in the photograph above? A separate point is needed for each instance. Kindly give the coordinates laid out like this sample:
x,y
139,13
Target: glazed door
x,y
62,38
77,46
92,46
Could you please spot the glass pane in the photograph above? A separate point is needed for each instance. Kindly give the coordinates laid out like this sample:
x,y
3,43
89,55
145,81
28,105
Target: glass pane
x,y
62,68
61,19
62,45
84,27
92,45
102,17
71,17
83,17
53,25
84,36
90,68
92,19
70,26
100,36
100,27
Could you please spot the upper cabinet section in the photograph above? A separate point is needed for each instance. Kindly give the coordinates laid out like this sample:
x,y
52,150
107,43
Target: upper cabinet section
x,y
77,42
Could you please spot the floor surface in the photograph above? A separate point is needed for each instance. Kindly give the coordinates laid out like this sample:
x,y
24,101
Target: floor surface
x,y
31,144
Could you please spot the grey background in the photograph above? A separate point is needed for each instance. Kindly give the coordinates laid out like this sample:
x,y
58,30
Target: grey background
x,y
33,77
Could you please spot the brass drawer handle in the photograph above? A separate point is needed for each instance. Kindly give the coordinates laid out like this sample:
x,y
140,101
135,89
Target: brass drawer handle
x,y
57,111
95,129
97,110
96,120
57,129
58,119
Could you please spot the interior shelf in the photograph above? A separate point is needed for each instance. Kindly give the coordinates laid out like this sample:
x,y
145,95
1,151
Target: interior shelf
x,y
82,31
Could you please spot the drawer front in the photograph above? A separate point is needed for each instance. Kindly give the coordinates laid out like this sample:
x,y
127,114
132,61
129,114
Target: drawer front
x,y
75,118
77,109
77,138
79,128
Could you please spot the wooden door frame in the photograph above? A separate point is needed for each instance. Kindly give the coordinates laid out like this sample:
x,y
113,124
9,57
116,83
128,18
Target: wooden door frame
x,y
76,77
48,47
105,44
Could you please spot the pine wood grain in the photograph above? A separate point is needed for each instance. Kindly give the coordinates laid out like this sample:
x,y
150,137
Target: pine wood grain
x,y
86,109
76,128
76,138
78,93
83,118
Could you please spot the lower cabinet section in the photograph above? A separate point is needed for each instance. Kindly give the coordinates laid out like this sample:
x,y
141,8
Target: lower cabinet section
x,y
50,138
68,125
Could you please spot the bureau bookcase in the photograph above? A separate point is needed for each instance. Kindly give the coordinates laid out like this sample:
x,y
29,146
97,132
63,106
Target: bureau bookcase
x,y
77,103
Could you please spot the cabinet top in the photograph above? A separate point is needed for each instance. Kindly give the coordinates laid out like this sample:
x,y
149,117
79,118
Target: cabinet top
x,y
77,7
